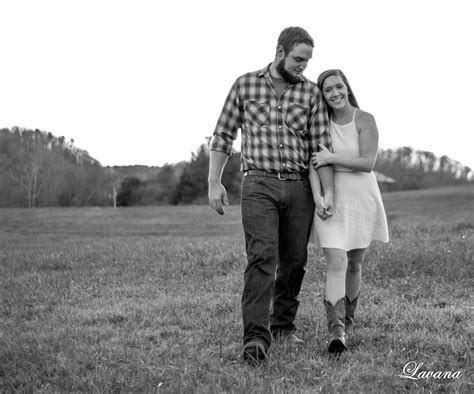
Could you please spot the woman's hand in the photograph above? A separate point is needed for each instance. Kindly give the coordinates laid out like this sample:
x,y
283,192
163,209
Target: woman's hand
x,y
321,158
321,208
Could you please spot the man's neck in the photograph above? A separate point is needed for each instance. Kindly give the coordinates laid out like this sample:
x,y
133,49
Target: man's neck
x,y
274,73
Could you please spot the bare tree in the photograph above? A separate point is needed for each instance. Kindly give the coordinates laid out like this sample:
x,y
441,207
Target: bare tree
x,y
30,165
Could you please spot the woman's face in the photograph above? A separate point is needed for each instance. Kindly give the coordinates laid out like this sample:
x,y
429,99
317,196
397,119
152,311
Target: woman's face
x,y
335,92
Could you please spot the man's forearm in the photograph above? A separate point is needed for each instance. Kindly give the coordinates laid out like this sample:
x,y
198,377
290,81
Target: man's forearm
x,y
326,174
217,162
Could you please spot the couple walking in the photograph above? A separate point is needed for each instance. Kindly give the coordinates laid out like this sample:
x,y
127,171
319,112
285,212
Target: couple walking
x,y
307,157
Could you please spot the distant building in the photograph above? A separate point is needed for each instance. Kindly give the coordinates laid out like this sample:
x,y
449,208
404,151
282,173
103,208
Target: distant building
x,y
384,181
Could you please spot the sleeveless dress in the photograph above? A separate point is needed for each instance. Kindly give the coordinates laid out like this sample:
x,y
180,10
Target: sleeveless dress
x,y
359,215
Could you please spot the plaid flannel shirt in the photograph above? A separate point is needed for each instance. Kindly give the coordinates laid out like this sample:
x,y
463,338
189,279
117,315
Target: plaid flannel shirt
x,y
278,135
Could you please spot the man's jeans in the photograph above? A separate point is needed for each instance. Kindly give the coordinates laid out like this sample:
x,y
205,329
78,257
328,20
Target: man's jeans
x,y
276,217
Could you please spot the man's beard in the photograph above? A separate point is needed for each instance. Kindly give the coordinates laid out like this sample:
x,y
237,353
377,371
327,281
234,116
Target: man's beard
x,y
290,78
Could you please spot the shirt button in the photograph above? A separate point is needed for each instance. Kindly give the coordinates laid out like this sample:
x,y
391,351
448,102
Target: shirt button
x,y
284,165
279,126
281,145
279,107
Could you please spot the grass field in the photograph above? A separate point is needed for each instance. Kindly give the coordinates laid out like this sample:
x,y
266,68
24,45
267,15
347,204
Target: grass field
x,y
148,300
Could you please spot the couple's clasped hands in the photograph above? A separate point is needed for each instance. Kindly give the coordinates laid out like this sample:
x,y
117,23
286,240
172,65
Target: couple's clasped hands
x,y
324,206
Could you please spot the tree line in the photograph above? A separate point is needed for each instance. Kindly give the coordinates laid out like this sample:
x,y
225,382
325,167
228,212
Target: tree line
x,y
418,169
410,168
38,169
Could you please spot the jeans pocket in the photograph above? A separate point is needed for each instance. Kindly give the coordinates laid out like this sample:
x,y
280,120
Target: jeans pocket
x,y
306,185
252,179
250,185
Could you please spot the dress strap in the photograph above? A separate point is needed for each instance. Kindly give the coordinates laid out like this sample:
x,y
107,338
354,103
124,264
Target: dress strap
x,y
354,114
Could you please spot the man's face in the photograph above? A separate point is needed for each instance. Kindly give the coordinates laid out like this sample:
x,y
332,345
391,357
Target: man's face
x,y
291,67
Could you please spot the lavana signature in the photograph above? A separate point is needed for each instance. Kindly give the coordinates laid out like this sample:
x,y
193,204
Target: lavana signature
x,y
412,370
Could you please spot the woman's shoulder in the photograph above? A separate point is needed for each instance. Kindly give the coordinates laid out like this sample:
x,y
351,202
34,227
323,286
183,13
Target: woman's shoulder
x,y
364,116
364,120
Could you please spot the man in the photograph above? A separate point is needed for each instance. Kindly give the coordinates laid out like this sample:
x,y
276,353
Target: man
x,y
282,118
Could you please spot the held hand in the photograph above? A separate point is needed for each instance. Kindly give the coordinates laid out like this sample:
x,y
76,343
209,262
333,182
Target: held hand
x,y
329,202
217,197
321,209
322,157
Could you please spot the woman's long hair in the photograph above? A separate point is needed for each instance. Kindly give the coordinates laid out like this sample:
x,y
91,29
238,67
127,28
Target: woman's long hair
x,y
328,73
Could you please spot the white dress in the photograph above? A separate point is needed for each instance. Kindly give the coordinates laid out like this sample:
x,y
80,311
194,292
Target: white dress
x,y
359,215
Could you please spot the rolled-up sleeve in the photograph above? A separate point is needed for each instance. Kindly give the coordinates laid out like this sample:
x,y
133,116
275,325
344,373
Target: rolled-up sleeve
x,y
319,123
228,124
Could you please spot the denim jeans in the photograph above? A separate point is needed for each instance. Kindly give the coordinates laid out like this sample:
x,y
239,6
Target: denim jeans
x,y
276,217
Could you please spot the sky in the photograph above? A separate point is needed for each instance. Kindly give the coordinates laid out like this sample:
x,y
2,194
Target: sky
x,y
143,82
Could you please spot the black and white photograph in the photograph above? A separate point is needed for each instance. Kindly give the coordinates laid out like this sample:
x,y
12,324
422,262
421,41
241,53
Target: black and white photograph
x,y
236,196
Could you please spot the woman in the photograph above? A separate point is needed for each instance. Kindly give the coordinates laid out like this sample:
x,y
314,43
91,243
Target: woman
x,y
359,216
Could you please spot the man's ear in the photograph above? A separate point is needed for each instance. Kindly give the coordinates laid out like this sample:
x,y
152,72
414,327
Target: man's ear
x,y
280,53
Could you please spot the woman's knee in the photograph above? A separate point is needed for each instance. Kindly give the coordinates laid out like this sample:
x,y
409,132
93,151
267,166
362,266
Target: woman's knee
x,y
336,259
355,260
354,267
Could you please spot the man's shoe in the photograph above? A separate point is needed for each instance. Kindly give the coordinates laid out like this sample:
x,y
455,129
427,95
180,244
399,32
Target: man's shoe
x,y
289,339
254,353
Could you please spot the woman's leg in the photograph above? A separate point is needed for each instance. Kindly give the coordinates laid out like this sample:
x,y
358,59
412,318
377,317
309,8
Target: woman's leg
x,y
355,258
353,281
336,260
335,298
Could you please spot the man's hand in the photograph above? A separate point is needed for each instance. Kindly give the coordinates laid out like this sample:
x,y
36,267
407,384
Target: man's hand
x,y
329,203
322,209
217,196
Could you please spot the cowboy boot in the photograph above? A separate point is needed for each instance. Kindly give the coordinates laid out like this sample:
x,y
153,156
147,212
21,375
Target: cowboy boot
x,y
350,309
337,333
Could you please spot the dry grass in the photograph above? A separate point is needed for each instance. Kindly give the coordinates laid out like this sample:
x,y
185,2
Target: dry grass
x,y
148,299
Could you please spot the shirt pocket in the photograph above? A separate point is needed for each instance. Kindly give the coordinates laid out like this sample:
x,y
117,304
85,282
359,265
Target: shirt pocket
x,y
257,113
297,117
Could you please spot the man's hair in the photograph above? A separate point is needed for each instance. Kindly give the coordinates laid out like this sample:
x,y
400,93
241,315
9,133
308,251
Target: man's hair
x,y
292,36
